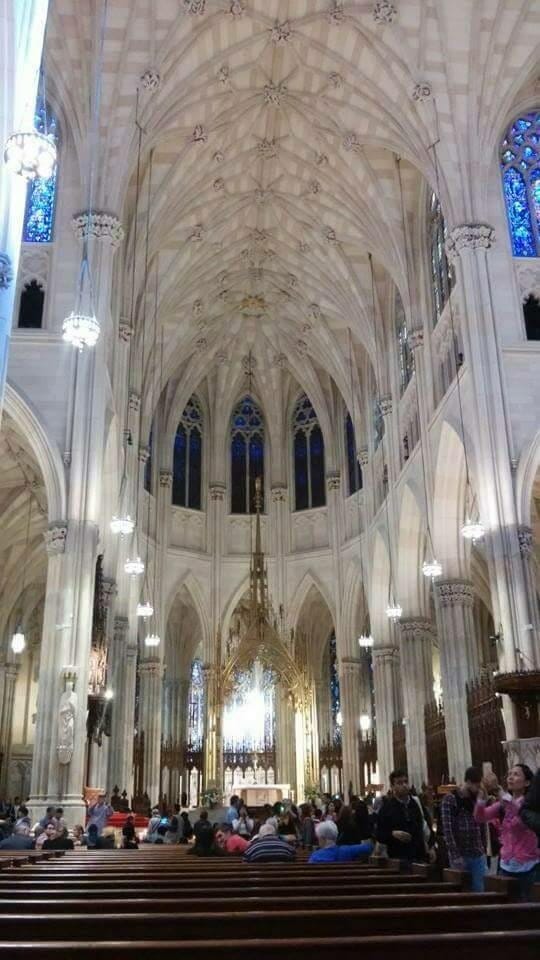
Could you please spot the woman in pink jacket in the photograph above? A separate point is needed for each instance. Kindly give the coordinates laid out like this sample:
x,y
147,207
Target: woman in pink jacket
x,y
519,856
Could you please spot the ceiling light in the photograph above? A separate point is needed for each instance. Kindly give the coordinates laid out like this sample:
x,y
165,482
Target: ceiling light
x,y
108,694
393,611
122,525
18,641
81,330
365,641
365,722
31,155
472,530
145,609
432,568
134,567
152,640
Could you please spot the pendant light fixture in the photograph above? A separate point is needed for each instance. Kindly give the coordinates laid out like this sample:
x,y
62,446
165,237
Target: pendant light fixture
x,y
18,640
81,327
31,153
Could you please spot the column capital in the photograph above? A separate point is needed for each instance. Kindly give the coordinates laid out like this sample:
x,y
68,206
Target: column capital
x,y
350,666
134,401
525,538
415,628
363,456
165,479
150,666
217,490
102,226
55,537
469,236
121,626
6,271
383,653
385,404
11,670
278,492
144,454
454,592
125,330
416,338
333,479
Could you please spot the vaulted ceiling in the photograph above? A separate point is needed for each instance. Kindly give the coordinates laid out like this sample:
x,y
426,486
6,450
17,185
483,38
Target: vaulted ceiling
x,y
278,140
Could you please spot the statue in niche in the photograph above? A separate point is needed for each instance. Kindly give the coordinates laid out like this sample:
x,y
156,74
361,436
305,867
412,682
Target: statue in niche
x,y
66,723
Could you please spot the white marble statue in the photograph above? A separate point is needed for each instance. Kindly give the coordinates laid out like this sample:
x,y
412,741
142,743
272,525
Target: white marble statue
x,y
66,723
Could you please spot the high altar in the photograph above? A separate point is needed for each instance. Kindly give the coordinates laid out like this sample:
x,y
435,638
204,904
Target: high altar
x,y
257,794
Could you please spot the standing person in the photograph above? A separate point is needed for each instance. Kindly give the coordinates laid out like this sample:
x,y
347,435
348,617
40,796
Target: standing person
x,y
530,809
461,831
99,813
232,812
400,822
243,825
519,844
329,852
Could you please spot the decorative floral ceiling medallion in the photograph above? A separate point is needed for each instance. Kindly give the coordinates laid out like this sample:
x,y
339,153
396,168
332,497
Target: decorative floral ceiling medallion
x,y
384,12
281,33
336,13
193,7
151,80
421,92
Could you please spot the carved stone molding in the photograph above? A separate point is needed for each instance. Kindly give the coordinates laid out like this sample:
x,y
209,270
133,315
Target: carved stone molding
x,y
217,490
151,80
125,330
236,8
383,654
121,627
278,493
363,456
336,13
421,91
384,12
528,273
102,226
351,142
454,592
151,667
144,454
281,33
525,538
302,348
197,235
469,236
55,538
110,590
273,93
333,480
194,8
165,478
199,134
350,667
416,339
415,628
267,149
6,271
134,401
385,405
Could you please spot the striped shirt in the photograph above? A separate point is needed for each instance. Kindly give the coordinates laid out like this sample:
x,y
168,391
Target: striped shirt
x,y
269,850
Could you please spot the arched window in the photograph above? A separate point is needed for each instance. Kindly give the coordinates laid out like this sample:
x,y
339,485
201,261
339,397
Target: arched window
x,y
335,696
196,707
187,460
148,465
441,277
354,469
520,162
247,455
41,194
31,306
308,456
405,354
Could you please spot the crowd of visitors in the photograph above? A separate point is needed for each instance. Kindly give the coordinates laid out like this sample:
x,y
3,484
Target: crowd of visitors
x,y
475,827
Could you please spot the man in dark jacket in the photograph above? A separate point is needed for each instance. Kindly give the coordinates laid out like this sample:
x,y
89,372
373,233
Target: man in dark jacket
x,y
400,822
20,839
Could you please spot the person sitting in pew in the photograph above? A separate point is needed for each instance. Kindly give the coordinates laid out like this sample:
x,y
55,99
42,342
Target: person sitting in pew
x,y
267,847
129,836
57,839
329,852
205,841
232,843
20,839
185,827
96,842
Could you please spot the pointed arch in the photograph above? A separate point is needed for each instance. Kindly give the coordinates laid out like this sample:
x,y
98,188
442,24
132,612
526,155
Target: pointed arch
x,y
309,580
449,495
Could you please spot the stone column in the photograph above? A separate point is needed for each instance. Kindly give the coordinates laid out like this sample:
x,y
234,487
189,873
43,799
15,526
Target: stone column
x,y
10,671
416,660
526,548
384,679
285,738
120,705
130,685
322,693
468,248
350,687
150,723
459,664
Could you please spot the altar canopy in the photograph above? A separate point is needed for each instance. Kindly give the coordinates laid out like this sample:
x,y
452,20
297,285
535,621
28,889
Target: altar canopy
x,y
248,717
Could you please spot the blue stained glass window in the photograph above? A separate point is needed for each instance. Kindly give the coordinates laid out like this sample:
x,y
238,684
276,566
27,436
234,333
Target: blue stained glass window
x,y
520,156
353,467
196,707
187,457
247,455
335,697
41,194
308,452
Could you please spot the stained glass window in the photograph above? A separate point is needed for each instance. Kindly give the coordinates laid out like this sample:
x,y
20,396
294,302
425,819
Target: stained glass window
x,y
520,163
247,455
354,470
308,451
187,457
41,194
196,707
148,465
405,354
335,697
441,274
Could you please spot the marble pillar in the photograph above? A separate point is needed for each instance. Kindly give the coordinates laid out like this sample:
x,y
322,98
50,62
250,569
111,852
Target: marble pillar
x,y
285,738
416,662
386,707
9,672
350,688
459,664
150,723
120,704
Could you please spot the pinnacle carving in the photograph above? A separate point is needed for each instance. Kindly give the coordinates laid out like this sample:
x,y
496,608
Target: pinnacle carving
x,y
55,538
525,538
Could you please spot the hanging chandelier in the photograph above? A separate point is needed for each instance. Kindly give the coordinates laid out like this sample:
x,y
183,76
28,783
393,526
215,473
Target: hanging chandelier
x,y
18,640
122,525
365,722
81,330
432,568
145,609
134,567
472,530
365,641
31,154
152,640
393,611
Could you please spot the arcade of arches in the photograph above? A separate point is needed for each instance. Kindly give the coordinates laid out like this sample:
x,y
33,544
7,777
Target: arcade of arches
x,y
313,235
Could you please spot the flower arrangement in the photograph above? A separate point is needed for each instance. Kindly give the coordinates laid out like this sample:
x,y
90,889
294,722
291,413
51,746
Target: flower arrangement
x,y
210,797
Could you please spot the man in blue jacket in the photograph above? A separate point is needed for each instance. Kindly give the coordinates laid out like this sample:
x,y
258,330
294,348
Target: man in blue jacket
x,y
329,852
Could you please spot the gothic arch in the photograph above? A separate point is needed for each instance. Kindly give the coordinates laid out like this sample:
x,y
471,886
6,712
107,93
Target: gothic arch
x,y
192,587
449,497
308,581
410,585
